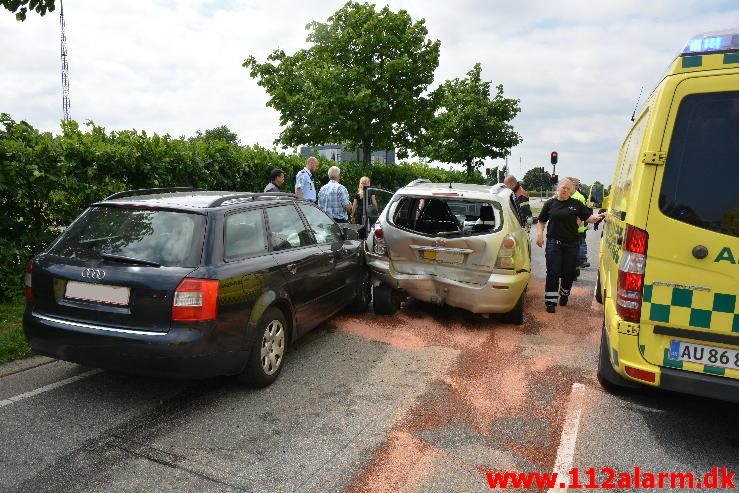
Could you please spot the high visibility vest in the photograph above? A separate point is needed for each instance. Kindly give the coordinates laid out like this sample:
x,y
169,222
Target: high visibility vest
x,y
580,197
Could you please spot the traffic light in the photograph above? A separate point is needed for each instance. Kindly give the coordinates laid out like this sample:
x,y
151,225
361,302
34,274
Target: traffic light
x,y
553,157
555,179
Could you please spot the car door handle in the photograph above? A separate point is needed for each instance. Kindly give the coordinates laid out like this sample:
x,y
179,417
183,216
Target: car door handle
x,y
292,268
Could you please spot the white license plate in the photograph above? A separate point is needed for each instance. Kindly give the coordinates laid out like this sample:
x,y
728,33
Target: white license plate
x,y
704,355
449,257
102,293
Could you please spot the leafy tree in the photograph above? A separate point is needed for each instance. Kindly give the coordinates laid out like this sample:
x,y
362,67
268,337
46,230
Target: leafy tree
x,y
21,7
470,126
537,179
360,82
222,133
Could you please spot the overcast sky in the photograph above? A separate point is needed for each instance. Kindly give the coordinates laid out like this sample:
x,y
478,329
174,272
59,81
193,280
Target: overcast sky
x,y
174,66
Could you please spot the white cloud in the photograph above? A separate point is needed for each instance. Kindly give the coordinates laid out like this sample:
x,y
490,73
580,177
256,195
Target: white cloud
x,y
174,66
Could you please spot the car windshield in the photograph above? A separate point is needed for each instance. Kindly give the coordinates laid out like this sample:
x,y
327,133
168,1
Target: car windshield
x,y
446,216
134,236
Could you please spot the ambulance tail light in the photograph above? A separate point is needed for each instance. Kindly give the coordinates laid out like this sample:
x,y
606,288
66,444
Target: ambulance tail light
x,y
631,274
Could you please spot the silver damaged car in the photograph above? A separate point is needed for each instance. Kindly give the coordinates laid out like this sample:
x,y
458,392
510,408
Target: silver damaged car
x,y
449,244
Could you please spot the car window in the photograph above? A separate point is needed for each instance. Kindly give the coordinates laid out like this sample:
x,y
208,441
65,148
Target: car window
x,y
324,229
517,210
286,228
163,237
700,180
245,234
447,217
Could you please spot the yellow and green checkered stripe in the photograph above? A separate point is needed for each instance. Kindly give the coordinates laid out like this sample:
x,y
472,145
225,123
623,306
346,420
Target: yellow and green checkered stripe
x,y
686,308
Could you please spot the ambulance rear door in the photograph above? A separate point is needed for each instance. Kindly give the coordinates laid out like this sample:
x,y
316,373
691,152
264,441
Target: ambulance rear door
x,y
690,312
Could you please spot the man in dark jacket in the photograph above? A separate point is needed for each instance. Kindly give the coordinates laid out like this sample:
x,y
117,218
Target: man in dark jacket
x,y
276,179
522,198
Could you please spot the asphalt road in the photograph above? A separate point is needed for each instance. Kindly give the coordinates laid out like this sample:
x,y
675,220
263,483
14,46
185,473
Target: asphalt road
x,y
427,400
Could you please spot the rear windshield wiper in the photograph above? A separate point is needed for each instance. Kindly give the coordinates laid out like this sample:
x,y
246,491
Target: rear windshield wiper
x,y
448,233
129,260
95,240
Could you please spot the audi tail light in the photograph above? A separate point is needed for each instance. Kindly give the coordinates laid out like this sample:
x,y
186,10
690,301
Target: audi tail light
x,y
195,300
631,274
28,290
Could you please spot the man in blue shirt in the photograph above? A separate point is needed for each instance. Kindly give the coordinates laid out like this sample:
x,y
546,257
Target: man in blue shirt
x,y
334,197
304,186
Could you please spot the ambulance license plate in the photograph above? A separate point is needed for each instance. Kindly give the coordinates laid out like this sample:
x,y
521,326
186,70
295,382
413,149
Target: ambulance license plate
x,y
101,293
704,355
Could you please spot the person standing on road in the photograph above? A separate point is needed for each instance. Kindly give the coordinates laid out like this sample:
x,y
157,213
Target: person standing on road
x,y
276,179
522,198
358,204
582,228
333,197
560,214
304,187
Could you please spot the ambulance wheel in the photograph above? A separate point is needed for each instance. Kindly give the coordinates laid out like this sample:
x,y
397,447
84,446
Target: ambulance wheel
x,y
598,293
608,378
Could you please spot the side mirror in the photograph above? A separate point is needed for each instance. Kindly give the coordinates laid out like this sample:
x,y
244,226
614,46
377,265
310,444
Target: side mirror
x,y
350,233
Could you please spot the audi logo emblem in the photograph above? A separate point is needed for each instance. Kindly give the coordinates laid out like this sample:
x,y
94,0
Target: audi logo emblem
x,y
89,273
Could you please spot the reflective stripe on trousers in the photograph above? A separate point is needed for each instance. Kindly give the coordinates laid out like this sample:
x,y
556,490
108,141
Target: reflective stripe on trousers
x,y
561,264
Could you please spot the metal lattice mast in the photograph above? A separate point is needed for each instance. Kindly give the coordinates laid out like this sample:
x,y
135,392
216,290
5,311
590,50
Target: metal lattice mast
x,y
65,67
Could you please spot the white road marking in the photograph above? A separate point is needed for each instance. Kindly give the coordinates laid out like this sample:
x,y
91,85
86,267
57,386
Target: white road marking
x,y
46,388
566,450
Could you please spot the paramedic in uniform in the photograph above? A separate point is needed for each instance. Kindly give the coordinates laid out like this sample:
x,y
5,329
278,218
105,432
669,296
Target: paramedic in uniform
x,y
560,214
582,229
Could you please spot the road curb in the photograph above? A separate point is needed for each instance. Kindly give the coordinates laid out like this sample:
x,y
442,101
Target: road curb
x,y
23,365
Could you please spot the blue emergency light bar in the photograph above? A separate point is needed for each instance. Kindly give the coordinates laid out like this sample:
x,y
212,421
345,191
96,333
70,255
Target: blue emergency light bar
x,y
712,42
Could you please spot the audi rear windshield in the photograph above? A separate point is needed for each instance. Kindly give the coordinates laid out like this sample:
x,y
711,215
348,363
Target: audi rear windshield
x,y
446,216
134,236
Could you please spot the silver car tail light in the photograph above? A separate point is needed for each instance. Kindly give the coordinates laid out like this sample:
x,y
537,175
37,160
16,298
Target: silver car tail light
x,y
507,253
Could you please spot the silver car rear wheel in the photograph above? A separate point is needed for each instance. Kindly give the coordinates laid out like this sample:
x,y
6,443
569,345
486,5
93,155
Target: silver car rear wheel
x,y
273,347
269,345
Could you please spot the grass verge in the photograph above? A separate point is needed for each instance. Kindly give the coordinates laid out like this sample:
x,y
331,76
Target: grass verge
x,y
13,344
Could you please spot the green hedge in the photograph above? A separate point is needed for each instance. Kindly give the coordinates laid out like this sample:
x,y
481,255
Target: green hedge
x,y
47,180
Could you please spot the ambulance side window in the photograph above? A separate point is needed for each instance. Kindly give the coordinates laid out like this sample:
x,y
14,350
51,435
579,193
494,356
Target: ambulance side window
x,y
701,176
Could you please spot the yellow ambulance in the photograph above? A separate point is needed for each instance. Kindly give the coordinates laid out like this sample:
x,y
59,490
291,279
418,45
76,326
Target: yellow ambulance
x,y
668,274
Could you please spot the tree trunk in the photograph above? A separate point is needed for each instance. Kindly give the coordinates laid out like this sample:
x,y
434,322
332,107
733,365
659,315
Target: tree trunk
x,y
468,165
367,151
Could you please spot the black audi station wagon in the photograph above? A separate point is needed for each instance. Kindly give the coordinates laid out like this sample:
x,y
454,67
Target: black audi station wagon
x,y
190,283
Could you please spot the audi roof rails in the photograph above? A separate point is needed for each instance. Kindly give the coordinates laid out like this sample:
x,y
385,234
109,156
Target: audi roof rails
x,y
418,181
147,191
252,196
